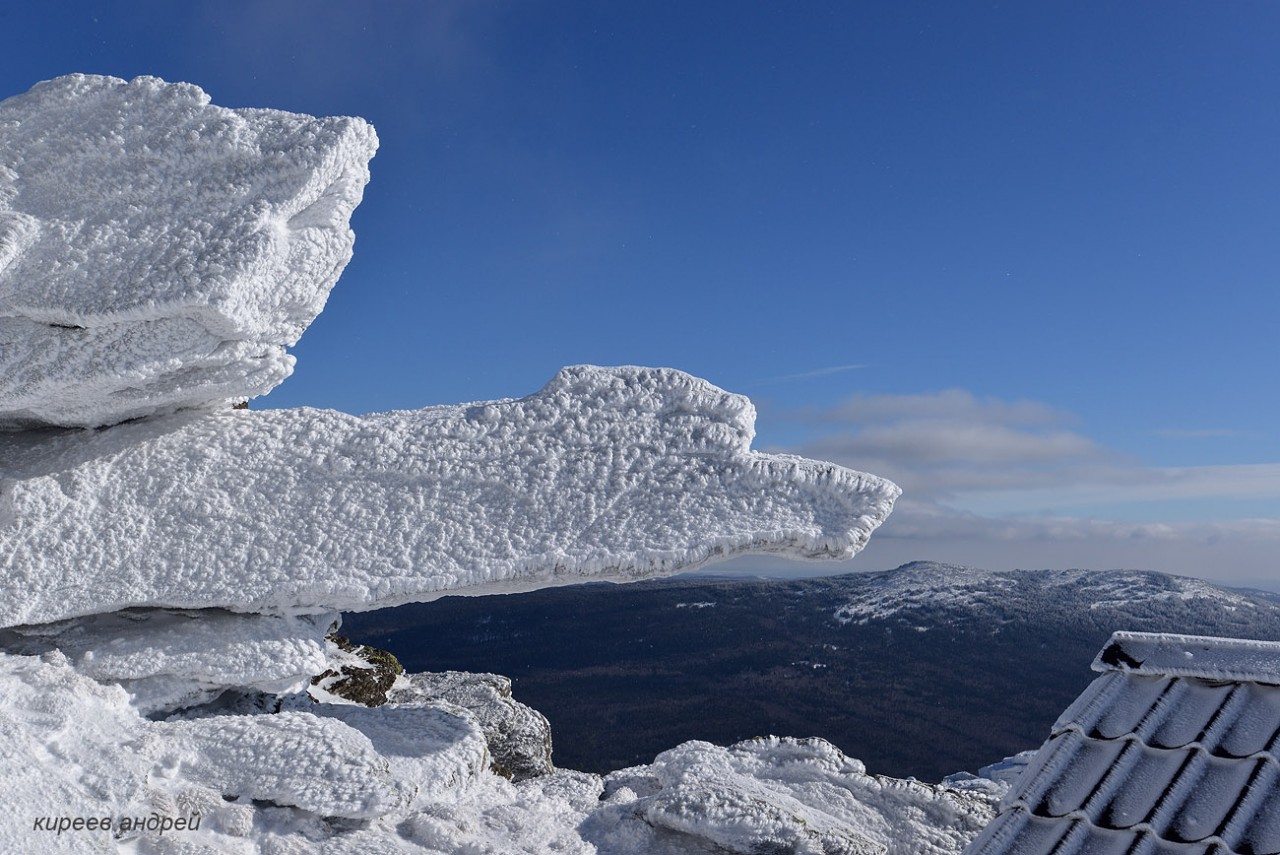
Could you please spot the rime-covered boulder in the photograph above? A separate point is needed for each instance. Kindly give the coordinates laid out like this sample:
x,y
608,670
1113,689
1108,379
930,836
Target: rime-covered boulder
x,y
169,581
158,252
606,473
519,736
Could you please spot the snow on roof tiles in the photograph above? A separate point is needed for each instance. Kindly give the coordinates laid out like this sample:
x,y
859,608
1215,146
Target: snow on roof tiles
x,y
1173,750
1173,655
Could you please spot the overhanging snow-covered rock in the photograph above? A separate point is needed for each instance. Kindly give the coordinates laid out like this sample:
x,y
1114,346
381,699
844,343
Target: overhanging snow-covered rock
x,y
158,252
170,659
615,473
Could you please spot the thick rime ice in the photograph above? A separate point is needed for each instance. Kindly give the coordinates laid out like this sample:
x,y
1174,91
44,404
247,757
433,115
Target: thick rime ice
x,y
519,737
168,583
338,772
605,473
415,779
172,659
803,796
158,252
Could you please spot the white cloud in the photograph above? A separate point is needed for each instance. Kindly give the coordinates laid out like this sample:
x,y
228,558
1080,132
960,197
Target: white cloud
x,y
951,405
948,458
1245,482
972,443
1004,484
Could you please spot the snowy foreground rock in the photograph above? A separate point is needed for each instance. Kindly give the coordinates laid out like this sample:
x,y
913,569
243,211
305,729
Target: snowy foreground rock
x,y
414,779
158,252
170,681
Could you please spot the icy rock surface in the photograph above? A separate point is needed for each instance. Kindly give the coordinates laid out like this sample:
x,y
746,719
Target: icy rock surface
x,y
170,571
605,473
518,736
158,252
168,659
404,779
801,796
337,773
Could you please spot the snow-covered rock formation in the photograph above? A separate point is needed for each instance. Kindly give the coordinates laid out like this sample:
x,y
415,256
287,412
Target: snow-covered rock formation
x,y
605,473
170,584
345,779
158,252
518,736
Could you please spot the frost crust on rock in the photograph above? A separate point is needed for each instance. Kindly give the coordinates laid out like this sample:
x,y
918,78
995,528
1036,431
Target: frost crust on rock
x,y
169,578
519,737
169,659
616,473
404,779
158,252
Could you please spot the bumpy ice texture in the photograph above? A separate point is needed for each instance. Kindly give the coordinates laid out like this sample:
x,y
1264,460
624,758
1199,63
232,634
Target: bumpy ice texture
x,y
406,779
158,252
169,659
518,736
167,584
605,473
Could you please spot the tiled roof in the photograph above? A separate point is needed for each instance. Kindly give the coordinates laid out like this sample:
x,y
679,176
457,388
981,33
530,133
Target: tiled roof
x,y
1174,750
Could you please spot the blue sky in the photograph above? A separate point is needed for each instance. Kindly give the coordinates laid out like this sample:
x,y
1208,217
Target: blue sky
x,y
1021,257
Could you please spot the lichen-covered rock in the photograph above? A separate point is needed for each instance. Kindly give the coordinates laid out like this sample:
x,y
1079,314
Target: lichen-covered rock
x,y
363,674
158,252
519,736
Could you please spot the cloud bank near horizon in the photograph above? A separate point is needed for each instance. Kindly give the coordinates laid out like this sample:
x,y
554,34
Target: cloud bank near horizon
x,y
1008,484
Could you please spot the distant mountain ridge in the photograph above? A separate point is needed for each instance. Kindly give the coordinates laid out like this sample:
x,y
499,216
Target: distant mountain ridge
x,y
919,671
927,584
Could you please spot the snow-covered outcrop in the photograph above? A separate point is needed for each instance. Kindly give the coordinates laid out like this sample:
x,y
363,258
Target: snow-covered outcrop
x,y
605,473
414,779
158,252
170,571
169,659
796,795
519,737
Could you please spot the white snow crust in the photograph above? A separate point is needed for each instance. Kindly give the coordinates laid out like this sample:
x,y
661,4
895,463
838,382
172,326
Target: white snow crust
x,y
170,571
518,736
606,473
414,779
158,252
169,659
1166,654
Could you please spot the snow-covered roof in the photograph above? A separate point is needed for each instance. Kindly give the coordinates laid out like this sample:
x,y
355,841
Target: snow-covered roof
x,y
1172,751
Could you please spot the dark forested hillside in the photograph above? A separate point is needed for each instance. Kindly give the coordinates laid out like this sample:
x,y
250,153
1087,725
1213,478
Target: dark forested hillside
x,y
920,671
